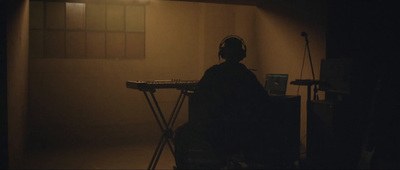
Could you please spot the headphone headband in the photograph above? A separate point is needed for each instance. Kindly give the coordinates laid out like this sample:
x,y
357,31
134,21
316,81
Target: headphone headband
x,y
222,49
233,36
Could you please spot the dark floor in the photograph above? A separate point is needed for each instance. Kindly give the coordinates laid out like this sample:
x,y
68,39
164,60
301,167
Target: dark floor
x,y
110,157
135,156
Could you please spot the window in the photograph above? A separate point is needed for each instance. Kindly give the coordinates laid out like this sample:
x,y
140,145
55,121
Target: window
x,y
86,30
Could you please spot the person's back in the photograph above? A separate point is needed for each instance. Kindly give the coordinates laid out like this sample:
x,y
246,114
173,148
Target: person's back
x,y
229,91
229,101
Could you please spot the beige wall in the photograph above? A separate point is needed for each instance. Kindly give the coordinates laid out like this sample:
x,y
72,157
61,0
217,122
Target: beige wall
x,y
17,76
222,20
86,99
70,98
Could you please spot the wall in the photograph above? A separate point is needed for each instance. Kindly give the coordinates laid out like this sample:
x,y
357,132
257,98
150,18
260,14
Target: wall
x,y
281,46
17,76
223,20
85,101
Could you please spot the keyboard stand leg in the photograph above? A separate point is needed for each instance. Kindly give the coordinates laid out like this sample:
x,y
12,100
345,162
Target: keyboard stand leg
x,y
167,132
156,152
166,128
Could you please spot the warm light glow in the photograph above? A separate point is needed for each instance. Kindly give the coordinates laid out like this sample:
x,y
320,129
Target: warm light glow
x,y
143,1
140,2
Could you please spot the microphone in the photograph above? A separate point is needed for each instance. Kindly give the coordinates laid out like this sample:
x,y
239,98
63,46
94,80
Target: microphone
x,y
304,34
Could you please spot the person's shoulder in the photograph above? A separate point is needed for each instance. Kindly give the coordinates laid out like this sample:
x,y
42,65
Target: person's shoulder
x,y
249,74
242,66
214,68
234,67
212,71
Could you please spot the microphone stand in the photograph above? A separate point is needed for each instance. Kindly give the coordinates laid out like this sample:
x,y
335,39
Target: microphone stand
x,y
310,118
312,68
309,83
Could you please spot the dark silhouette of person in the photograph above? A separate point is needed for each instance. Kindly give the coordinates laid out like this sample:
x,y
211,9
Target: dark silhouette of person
x,y
230,107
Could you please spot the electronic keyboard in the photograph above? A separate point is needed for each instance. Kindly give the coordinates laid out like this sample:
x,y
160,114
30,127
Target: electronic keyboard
x,y
162,84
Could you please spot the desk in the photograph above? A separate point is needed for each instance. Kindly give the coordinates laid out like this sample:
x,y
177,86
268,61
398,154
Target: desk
x,y
149,87
284,110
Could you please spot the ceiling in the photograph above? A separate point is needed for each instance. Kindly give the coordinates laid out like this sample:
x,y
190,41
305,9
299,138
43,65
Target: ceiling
x,y
235,2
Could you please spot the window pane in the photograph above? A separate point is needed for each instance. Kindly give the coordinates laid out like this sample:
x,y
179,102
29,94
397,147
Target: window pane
x,y
115,18
55,15
54,46
115,45
95,17
96,45
75,15
135,19
135,45
75,44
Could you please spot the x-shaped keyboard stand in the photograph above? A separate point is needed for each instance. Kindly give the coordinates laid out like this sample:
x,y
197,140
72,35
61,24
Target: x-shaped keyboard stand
x,y
166,127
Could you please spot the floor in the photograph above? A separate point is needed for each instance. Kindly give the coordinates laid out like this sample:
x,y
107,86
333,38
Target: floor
x,y
109,157
133,156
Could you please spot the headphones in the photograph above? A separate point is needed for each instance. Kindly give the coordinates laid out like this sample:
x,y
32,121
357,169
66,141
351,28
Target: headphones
x,y
227,48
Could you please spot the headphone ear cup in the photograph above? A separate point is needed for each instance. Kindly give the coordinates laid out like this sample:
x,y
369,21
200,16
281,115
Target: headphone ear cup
x,y
243,53
222,52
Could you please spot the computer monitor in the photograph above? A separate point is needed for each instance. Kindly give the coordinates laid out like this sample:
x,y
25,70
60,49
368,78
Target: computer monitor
x,y
275,84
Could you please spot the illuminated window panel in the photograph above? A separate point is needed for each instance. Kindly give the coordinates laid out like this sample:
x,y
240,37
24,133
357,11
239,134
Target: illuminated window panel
x,y
36,15
75,15
135,48
36,44
54,44
115,45
86,30
75,44
95,16
96,45
55,15
135,18
115,18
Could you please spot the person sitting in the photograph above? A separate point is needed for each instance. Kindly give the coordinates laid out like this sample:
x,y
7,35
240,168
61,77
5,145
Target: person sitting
x,y
230,106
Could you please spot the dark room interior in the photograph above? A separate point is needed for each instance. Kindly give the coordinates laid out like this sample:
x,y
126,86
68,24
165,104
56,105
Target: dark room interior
x,y
72,73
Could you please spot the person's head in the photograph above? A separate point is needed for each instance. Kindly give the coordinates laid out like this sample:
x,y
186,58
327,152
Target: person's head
x,y
232,48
